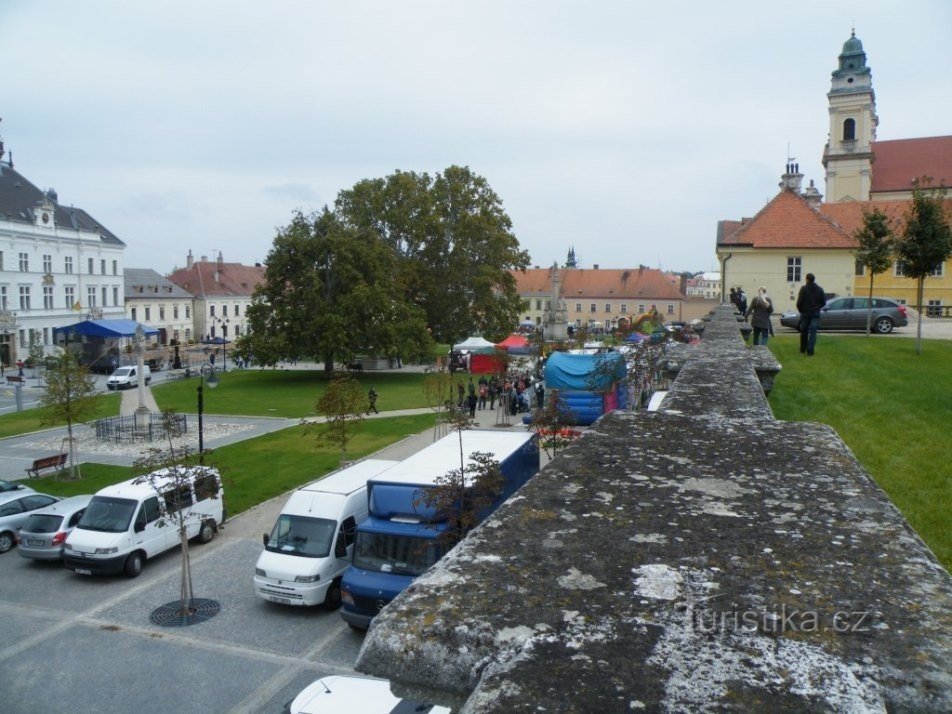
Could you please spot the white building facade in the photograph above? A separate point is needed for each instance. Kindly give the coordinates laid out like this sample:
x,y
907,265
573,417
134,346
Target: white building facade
x,y
58,265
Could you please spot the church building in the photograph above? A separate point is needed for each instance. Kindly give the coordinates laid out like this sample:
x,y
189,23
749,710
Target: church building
x,y
798,232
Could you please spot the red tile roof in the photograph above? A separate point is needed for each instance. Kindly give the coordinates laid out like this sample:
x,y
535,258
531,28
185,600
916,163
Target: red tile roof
x,y
789,222
897,163
601,283
210,278
849,215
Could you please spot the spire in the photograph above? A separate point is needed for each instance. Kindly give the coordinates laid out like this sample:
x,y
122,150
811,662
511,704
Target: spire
x,y
570,259
852,75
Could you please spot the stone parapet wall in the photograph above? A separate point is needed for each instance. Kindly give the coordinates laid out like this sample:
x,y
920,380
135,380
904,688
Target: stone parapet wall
x,y
704,557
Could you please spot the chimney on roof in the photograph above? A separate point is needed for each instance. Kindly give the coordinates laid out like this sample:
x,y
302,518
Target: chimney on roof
x,y
189,260
220,262
812,196
595,267
792,178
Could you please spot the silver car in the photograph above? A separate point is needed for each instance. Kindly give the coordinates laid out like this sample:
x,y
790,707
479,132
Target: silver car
x,y
849,313
6,486
45,531
15,508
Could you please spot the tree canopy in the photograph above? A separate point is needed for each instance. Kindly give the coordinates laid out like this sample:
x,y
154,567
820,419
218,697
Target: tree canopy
x,y
927,239
328,295
875,240
398,262
453,244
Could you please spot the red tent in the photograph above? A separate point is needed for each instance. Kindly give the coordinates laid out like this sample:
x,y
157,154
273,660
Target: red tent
x,y
486,364
517,344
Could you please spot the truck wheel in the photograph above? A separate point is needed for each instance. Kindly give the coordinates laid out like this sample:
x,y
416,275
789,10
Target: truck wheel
x,y
133,565
332,599
207,532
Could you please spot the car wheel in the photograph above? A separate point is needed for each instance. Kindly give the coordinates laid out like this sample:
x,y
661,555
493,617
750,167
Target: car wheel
x,y
7,541
133,565
332,599
207,532
883,325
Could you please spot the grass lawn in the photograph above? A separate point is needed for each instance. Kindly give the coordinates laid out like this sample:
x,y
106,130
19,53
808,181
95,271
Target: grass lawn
x,y
892,407
281,392
264,467
30,419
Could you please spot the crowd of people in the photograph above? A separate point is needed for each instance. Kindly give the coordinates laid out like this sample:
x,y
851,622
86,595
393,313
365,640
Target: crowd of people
x,y
516,392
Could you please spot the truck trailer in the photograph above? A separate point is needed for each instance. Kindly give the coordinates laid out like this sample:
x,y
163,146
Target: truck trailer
x,y
401,537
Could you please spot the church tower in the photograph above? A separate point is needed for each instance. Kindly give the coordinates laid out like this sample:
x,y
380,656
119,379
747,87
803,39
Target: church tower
x,y
848,156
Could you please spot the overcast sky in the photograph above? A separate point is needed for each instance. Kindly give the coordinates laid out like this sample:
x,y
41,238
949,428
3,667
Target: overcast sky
x,y
624,129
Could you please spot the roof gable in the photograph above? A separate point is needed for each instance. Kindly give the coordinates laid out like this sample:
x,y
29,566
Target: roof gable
x,y
219,279
788,221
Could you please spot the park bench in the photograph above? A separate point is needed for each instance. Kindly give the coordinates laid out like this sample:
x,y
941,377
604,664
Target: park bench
x,y
57,461
14,379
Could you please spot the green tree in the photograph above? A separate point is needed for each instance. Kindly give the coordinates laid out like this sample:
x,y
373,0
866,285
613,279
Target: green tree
x,y
328,295
875,240
461,494
927,240
454,245
69,397
344,405
172,473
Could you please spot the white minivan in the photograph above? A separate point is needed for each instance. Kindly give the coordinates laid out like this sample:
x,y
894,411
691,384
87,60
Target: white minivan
x,y
128,377
129,522
311,543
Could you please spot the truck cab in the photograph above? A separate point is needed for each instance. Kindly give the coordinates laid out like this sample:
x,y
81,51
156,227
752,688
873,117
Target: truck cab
x,y
402,537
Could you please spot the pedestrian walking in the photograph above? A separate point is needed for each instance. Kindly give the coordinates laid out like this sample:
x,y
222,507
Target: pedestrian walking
x,y
471,404
741,301
810,300
372,397
761,307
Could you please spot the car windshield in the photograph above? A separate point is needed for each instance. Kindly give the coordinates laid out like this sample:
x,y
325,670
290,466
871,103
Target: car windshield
x,y
43,523
395,554
303,536
8,486
122,372
111,515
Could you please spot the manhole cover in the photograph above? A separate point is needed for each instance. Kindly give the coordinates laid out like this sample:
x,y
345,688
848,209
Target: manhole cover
x,y
170,614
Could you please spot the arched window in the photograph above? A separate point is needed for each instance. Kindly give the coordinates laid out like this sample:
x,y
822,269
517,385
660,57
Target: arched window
x,y
849,130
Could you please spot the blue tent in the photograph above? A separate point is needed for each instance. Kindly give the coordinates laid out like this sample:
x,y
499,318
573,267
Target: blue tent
x,y
595,373
588,385
104,328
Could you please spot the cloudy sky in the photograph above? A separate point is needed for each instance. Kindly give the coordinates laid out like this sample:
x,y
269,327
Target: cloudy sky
x,y
624,129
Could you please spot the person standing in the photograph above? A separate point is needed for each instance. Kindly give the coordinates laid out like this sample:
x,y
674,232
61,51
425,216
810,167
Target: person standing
x,y
741,301
810,300
759,313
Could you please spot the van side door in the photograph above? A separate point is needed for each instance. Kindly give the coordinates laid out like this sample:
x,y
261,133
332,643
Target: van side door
x,y
149,533
344,544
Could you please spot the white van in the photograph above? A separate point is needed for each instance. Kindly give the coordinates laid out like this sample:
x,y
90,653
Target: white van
x,y
311,543
129,522
128,377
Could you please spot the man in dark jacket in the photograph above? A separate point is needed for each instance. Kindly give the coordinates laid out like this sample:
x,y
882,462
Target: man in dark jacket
x,y
810,300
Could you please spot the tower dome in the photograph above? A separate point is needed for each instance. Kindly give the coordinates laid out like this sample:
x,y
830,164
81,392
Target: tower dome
x,y
853,45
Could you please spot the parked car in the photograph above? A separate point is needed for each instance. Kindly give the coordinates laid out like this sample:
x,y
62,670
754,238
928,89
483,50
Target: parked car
x,y
15,508
850,313
354,695
45,530
7,486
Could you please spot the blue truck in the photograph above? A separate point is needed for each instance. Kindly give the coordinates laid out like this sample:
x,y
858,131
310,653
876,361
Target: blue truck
x,y
400,539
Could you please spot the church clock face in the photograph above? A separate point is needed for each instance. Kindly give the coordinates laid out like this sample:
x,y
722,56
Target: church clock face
x,y
45,217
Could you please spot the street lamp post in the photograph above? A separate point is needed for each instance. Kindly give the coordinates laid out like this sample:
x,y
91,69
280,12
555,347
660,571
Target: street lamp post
x,y
212,381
